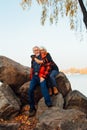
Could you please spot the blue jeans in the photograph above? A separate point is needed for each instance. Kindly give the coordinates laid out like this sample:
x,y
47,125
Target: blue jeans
x,y
52,77
34,82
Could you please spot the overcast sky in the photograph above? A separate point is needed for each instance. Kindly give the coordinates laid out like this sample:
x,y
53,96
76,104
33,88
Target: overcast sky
x,y
21,30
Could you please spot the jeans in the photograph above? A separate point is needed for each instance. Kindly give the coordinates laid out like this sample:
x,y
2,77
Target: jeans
x,y
35,80
52,77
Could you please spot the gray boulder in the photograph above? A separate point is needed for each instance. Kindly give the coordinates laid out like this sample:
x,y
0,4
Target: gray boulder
x,y
63,84
9,103
57,101
23,93
13,73
9,126
76,100
59,119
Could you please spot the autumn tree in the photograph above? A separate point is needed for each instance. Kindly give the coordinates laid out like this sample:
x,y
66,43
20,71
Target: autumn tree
x,y
56,8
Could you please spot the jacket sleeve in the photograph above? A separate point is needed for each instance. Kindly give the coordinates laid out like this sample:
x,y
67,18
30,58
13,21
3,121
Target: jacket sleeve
x,y
31,73
31,70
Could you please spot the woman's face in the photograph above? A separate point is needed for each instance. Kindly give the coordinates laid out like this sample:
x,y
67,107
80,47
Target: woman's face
x,y
43,51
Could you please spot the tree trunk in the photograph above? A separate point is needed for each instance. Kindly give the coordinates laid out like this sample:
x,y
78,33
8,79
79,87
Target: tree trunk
x,y
84,12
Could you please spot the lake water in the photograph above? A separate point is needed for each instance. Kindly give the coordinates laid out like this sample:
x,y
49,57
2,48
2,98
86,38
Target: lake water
x,y
78,82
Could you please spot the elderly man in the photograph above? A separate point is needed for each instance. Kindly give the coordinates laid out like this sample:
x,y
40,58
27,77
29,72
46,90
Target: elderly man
x,y
35,79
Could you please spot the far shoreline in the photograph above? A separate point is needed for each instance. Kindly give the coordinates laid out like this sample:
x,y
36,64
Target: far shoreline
x,y
75,71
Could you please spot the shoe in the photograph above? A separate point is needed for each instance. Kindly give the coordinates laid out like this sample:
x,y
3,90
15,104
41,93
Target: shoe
x,y
32,112
50,91
55,90
50,105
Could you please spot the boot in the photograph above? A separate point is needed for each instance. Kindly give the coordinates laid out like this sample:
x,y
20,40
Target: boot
x,y
55,90
32,112
50,91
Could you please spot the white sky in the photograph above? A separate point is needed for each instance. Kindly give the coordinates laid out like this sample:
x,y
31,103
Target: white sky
x,y
21,30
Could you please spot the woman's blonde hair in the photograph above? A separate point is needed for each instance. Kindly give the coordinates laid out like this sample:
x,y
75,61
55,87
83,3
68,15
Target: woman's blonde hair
x,y
43,48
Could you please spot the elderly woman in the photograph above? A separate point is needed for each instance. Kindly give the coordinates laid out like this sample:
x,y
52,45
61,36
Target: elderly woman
x,y
48,70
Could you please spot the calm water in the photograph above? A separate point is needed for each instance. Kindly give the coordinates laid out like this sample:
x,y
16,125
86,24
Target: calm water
x,y
78,82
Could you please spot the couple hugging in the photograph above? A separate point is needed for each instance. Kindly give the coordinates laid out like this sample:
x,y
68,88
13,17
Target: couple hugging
x,y
43,72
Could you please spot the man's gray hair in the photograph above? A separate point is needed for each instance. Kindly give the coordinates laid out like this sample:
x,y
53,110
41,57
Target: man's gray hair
x,y
35,47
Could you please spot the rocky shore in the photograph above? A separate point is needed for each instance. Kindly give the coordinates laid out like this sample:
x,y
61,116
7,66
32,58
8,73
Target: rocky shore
x,y
69,110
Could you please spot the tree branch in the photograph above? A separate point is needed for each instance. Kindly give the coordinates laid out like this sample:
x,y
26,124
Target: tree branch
x,y
84,12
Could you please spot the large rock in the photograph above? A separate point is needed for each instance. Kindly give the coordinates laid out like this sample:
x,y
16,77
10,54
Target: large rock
x,y
63,86
23,92
9,103
59,119
13,73
63,83
57,101
9,126
76,100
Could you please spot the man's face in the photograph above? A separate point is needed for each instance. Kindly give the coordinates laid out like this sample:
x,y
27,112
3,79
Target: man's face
x,y
36,51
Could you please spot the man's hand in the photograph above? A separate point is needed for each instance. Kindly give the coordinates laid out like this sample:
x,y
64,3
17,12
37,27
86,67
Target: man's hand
x,y
32,56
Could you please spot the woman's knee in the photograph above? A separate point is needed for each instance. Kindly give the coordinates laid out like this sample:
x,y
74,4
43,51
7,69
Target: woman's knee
x,y
41,79
51,76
